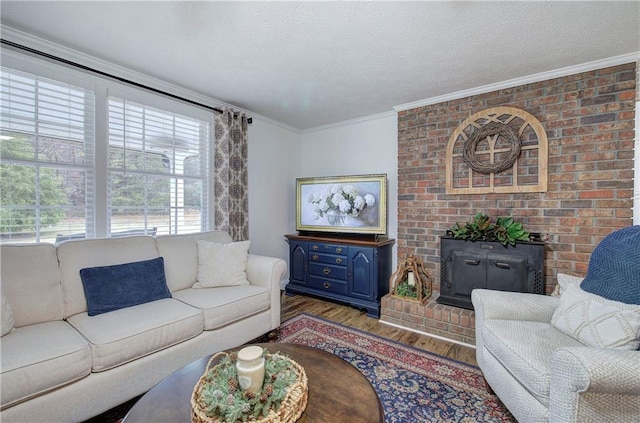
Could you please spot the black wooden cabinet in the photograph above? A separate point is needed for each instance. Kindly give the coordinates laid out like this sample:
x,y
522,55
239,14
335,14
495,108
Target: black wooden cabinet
x,y
351,271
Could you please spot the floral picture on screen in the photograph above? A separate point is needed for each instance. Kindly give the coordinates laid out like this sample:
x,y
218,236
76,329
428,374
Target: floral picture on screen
x,y
354,204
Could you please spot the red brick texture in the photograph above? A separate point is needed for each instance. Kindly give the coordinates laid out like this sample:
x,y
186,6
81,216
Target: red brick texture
x,y
589,119
449,322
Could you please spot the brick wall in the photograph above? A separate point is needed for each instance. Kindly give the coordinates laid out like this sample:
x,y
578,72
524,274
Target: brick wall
x,y
589,119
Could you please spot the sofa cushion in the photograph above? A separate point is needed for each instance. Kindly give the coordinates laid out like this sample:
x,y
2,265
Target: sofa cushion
x,y
79,254
225,305
7,316
130,333
222,264
596,321
110,288
614,268
525,348
31,281
180,254
41,357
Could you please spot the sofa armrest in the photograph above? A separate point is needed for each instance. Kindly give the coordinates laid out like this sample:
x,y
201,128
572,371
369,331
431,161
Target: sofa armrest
x,y
502,305
267,271
595,384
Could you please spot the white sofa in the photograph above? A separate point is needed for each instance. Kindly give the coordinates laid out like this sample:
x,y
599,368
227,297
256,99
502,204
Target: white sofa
x,y
60,364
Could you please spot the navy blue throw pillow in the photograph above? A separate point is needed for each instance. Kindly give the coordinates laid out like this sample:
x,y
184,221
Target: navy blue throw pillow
x,y
614,267
110,288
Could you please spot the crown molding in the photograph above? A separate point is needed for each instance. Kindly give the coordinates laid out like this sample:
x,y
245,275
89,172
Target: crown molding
x,y
543,76
37,43
349,122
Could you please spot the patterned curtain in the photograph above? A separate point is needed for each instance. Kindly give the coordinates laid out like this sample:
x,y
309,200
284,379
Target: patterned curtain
x,y
231,209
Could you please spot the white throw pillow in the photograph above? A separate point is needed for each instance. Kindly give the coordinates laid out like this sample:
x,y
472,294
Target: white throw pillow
x,y
7,316
222,264
596,321
564,281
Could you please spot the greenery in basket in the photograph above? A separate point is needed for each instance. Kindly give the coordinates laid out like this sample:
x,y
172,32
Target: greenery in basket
x,y
403,289
505,230
225,400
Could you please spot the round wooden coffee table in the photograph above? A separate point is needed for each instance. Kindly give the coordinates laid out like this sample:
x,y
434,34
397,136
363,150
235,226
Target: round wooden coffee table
x,y
338,392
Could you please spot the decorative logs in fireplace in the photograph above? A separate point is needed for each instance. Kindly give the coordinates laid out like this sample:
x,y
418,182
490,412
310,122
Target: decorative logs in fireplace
x,y
465,265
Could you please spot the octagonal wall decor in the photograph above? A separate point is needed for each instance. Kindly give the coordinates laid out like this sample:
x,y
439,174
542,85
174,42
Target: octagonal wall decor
x,y
501,150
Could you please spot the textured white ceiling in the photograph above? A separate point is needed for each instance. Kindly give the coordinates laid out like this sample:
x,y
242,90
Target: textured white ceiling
x,y
308,64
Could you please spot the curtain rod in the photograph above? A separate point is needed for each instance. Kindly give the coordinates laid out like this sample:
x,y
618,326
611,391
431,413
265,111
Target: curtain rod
x,y
108,75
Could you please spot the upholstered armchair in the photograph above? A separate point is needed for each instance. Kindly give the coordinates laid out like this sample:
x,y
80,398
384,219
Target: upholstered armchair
x,y
572,357
541,374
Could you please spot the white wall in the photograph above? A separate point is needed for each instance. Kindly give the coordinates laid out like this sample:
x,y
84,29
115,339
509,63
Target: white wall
x,y
278,155
361,146
274,153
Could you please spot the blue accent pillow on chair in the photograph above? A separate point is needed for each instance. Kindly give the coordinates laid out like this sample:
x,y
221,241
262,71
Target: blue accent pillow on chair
x,y
109,288
614,267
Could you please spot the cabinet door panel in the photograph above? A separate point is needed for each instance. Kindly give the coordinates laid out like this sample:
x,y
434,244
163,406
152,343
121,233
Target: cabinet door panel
x,y
362,282
298,263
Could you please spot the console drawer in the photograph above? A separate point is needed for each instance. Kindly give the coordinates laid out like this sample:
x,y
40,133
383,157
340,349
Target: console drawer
x,y
328,271
328,285
317,247
327,258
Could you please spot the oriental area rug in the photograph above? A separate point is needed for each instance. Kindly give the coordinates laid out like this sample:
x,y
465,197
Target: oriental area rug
x,y
413,385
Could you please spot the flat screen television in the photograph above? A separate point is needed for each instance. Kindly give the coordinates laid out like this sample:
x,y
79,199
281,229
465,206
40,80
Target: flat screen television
x,y
342,204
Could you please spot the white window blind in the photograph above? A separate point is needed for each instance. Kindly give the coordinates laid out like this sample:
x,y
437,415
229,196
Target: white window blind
x,y
47,158
158,170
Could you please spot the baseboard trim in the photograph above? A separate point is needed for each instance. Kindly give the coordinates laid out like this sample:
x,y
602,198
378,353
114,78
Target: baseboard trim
x,y
441,338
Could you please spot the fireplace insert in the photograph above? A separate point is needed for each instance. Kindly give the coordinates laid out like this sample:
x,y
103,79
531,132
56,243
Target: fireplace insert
x,y
465,265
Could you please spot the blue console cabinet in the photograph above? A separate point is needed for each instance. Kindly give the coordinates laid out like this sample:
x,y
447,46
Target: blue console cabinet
x,y
352,271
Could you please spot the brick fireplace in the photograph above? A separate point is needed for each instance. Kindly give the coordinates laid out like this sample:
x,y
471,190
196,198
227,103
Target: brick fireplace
x,y
589,119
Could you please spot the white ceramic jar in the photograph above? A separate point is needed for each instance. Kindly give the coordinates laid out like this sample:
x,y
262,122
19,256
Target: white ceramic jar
x,y
250,368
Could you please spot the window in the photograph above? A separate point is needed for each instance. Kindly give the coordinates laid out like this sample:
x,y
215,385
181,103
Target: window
x,y
83,156
158,169
46,153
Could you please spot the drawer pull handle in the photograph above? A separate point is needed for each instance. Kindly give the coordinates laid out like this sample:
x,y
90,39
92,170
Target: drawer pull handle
x,y
326,285
338,250
315,248
472,262
314,257
326,270
338,260
502,265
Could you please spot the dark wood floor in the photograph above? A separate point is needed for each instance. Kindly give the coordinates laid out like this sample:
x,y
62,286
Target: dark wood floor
x,y
349,316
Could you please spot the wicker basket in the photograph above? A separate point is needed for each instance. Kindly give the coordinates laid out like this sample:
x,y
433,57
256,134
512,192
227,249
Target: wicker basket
x,y
290,410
